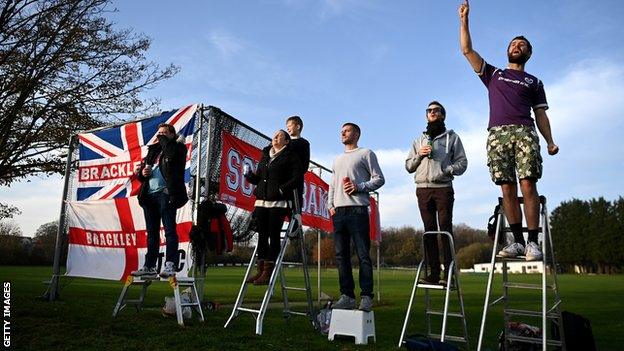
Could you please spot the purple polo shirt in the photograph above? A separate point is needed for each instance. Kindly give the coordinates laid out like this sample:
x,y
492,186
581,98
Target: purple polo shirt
x,y
512,95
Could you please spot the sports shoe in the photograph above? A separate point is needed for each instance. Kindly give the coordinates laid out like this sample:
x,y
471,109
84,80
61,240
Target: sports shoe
x,y
344,303
168,271
430,279
443,280
366,304
512,250
533,252
144,271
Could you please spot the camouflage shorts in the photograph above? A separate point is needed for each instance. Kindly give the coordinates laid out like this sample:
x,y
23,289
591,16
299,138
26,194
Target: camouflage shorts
x,y
511,149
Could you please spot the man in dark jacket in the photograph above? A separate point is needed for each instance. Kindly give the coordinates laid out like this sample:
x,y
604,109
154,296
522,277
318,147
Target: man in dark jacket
x,y
162,193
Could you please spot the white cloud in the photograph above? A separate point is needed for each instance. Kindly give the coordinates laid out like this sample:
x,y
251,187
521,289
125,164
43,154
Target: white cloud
x,y
589,96
38,199
226,44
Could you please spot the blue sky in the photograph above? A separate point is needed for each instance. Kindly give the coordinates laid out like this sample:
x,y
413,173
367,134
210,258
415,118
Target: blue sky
x,y
378,63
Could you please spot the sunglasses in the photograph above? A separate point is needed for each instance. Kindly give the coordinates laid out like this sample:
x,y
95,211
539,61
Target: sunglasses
x,y
434,110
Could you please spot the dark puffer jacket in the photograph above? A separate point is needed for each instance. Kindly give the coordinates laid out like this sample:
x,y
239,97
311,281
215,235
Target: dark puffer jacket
x,y
275,180
171,163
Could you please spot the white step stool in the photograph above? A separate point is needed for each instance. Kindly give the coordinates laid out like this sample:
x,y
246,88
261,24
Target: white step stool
x,y
356,323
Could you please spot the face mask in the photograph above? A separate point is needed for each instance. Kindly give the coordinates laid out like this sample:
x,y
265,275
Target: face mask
x,y
435,128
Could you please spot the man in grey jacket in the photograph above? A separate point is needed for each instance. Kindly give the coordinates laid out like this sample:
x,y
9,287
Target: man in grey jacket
x,y
436,157
356,173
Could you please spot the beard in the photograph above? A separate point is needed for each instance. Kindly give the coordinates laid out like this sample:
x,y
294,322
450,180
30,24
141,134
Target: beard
x,y
520,59
435,128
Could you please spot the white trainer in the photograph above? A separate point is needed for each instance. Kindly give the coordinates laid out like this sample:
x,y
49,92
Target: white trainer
x,y
512,250
533,252
168,271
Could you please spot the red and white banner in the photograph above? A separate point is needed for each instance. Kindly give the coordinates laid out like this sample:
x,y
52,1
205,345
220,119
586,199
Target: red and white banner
x,y
314,212
108,240
235,190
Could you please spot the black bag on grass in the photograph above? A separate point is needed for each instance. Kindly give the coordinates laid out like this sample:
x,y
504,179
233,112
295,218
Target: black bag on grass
x,y
419,342
578,332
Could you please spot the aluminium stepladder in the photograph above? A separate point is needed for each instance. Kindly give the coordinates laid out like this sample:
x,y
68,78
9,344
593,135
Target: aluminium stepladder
x,y
175,284
452,283
293,232
549,267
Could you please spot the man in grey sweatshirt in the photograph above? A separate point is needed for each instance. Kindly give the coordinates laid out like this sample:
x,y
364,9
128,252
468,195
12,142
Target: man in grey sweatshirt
x,y
436,156
355,173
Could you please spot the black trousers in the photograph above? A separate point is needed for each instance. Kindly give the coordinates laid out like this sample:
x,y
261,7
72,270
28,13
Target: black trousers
x,y
436,206
270,221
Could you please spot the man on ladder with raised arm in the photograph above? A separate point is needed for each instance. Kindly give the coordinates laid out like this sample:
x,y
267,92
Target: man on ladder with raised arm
x,y
513,151
513,143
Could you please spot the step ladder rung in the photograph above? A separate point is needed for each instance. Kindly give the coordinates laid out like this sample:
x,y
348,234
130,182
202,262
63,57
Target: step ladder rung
x,y
133,302
185,304
432,286
524,230
520,258
530,313
526,286
294,288
290,263
441,313
245,309
448,337
533,340
296,313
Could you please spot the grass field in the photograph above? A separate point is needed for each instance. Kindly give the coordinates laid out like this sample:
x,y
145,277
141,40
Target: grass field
x,y
81,319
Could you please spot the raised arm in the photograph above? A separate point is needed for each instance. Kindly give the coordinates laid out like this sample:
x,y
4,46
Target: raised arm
x,y
543,124
472,56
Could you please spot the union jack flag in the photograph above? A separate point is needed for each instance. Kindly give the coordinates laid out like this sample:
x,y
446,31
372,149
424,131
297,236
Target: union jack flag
x,y
109,157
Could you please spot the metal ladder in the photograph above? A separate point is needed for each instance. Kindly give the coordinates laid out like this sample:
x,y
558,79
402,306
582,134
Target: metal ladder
x,y
452,283
293,232
175,284
549,267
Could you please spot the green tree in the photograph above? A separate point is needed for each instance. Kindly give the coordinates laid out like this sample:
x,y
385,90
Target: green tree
x,y
569,224
604,232
64,68
477,252
45,242
12,248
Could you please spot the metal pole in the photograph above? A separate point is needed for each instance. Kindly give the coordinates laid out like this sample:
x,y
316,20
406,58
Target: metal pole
x,y
199,163
318,266
378,274
318,261
202,274
53,289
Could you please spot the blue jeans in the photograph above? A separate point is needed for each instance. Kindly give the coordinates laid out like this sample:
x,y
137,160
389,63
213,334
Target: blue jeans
x,y
352,223
157,208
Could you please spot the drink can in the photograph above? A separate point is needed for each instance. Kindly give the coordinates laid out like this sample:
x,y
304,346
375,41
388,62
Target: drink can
x,y
345,180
